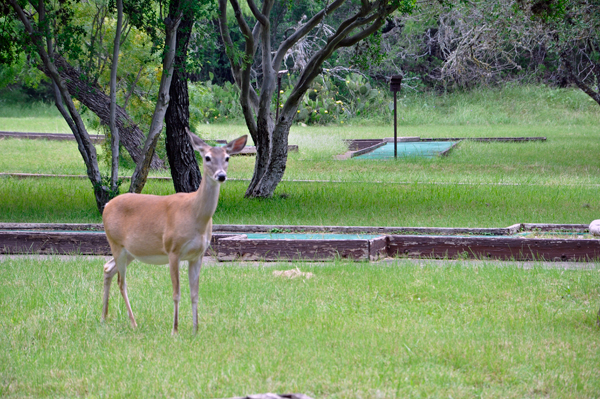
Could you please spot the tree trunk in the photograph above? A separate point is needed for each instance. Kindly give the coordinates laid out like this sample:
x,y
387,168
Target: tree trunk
x,y
63,99
263,143
114,131
182,160
140,174
274,160
131,136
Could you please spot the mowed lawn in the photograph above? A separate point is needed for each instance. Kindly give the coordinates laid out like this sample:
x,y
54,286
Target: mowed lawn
x,y
393,329
355,330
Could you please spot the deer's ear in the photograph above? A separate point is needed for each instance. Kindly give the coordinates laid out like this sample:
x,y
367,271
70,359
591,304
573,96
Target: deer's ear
x,y
237,145
197,143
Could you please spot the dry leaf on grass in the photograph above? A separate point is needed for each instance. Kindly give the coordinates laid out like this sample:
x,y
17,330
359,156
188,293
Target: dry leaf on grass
x,y
292,273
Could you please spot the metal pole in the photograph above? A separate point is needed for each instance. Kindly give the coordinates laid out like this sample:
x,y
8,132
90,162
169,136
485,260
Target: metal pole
x,y
395,129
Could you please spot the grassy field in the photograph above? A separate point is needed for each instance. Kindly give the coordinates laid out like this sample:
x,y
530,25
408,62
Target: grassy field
x,y
394,329
477,185
403,329
358,204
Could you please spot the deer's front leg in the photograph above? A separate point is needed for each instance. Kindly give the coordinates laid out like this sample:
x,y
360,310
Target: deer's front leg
x,y
110,270
174,269
194,276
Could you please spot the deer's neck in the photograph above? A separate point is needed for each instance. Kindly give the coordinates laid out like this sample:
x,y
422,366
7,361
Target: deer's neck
x,y
207,198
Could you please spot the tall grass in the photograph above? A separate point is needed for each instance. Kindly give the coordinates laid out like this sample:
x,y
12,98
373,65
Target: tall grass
x,y
507,105
353,331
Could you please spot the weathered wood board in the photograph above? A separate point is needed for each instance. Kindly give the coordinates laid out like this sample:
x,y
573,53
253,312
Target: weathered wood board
x,y
95,138
47,242
241,248
504,248
62,243
227,243
378,248
261,228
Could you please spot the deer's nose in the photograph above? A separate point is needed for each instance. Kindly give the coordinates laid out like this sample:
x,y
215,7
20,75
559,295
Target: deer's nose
x,y
221,177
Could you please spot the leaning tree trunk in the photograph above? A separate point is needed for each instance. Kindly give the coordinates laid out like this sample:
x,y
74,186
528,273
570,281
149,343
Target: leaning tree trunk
x,y
92,96
182,160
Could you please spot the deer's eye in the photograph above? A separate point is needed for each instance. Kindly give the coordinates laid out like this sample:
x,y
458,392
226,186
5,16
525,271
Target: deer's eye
x,y
207,158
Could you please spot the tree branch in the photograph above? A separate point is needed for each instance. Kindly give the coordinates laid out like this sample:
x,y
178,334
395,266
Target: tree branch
x,y
140,174
584,87
262,18
248,97
303,31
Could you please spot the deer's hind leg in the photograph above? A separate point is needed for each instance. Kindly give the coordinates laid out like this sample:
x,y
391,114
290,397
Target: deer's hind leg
x,y
174,269
123,261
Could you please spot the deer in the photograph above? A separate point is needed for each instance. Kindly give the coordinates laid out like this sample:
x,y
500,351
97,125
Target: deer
x,y
161,230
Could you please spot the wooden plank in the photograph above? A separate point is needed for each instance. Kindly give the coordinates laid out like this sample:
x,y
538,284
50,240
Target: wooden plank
x,y
241,228
38,242
95,138
253,228
53,226
378,248
359,144
555,227
367,149
236,248
406,139
505,248
487,139
446,152
62,243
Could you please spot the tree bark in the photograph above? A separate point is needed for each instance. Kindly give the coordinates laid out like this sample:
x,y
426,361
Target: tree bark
x,y
140,174
114,130
65,105
271,136
182,160
92,96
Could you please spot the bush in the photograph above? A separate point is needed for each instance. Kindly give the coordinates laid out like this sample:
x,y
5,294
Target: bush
x,y
211,103
327,101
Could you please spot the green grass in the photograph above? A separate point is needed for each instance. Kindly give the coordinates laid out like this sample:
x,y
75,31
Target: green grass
x,y
357,330
31,117
362,204
353,331
552,181
569,156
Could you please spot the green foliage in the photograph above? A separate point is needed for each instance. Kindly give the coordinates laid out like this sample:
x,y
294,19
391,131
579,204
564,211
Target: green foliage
x,y
212,103
333,101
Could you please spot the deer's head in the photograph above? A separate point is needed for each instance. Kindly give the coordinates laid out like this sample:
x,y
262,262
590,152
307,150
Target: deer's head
x,y
216,159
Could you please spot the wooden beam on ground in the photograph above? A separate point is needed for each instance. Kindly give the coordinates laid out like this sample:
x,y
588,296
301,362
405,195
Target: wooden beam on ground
x,y
488,139
62,243
95,138
242,248
503,248
99,138
228,244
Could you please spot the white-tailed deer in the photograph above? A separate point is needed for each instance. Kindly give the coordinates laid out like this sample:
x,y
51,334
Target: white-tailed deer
x,y
167,229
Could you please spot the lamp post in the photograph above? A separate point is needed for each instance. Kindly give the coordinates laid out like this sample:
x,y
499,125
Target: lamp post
x,y
395,83
279,75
